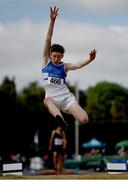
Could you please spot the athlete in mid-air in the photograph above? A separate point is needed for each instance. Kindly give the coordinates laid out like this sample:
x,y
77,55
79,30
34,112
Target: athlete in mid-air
x,y
57,95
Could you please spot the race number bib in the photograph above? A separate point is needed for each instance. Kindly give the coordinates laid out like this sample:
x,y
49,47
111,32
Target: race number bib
x,y
55,80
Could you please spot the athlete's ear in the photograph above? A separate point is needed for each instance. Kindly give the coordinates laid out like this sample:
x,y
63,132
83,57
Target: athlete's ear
x,y
62,55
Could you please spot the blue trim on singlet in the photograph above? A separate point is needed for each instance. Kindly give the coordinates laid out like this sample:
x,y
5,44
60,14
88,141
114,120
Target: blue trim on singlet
x,y
54,70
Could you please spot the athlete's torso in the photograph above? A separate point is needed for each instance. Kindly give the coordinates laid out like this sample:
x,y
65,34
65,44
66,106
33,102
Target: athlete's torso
x,y
54,79
58,137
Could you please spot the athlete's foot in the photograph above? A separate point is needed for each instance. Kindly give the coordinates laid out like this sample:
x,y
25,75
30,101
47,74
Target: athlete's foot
x,y
62,122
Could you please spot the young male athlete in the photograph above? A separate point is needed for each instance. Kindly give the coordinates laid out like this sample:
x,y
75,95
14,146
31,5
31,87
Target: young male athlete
x,y
57,95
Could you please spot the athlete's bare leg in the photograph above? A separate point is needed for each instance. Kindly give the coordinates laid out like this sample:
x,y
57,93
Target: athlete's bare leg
x,y
55,111
59,164
55,160
52,108
79,113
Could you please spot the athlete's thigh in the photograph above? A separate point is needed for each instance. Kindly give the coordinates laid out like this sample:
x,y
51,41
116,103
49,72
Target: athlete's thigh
x,y
77,111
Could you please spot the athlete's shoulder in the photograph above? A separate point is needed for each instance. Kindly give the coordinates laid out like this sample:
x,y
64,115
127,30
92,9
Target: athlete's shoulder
x,y
45,65
66,66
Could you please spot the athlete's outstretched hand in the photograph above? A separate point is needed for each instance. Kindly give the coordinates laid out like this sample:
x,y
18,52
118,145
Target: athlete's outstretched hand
x,y
53,13
92,54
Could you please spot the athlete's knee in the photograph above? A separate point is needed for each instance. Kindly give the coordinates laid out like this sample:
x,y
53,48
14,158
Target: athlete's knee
x,y
47,100
84,119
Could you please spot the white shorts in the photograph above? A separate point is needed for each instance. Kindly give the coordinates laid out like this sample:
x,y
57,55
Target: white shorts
x,y
64,103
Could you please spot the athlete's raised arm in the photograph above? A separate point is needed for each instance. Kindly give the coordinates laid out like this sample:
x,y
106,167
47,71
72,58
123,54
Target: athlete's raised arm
x,y
91,57
47,45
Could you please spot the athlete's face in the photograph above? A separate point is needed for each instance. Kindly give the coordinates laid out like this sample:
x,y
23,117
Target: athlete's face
x,y
56,57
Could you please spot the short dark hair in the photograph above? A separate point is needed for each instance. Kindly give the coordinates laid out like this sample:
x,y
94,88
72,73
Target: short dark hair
x,y
57,48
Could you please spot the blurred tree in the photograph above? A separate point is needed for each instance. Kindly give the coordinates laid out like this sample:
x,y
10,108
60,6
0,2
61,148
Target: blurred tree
x,y
31,110
8,93
32,97
107,102
7,108
118,108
